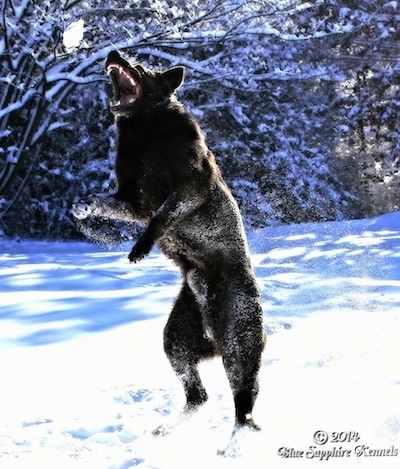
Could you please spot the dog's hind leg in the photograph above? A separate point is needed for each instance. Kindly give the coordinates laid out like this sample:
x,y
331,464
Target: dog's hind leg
x,y
186,344
242,347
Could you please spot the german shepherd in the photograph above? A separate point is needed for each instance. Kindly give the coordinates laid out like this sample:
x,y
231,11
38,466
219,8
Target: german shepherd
x,y
168,178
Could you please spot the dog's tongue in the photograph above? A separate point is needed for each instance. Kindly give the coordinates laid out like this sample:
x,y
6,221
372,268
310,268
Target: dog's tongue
x,y
125,85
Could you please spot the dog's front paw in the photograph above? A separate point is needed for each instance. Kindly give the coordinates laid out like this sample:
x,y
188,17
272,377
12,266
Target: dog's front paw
x,y
136,255
81,210
139,251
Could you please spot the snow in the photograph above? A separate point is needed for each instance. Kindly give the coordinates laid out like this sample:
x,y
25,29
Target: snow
x,y
84,379
73,34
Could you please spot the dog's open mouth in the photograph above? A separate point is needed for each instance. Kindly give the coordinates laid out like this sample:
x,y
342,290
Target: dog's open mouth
x,y
126,88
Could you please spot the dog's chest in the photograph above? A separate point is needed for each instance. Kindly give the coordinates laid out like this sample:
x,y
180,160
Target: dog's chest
x,y
140,175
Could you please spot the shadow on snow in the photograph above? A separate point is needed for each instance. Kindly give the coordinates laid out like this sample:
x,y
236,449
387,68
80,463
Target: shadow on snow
x,y
57,291
51,292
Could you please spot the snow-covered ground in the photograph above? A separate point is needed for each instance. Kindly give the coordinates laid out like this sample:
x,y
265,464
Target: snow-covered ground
x,y
84,380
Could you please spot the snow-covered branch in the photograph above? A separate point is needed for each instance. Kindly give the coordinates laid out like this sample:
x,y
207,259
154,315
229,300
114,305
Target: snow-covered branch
x,y
21,103
242,54
68,76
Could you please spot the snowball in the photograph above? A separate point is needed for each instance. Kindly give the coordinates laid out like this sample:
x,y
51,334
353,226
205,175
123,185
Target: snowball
x,y
73,35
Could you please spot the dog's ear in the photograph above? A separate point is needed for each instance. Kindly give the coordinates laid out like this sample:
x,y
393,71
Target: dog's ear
x,y
174,77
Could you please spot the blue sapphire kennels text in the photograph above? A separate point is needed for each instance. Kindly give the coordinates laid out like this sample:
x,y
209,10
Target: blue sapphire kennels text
x,y
315,452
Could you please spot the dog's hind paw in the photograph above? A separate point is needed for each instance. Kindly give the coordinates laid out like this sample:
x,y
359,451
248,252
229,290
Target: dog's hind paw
x,y
248,424
162,431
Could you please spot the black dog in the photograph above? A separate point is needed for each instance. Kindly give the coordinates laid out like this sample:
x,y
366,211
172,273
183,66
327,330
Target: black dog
x,y
168,178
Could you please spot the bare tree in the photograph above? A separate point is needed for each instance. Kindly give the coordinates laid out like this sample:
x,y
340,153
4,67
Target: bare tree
x,y
233,48
37,72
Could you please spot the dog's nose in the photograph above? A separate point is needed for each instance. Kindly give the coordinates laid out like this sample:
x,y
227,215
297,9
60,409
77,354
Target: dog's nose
x,y
113,55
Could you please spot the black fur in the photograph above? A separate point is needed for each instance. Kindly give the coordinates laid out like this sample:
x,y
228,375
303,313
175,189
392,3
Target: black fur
x,y
168,178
